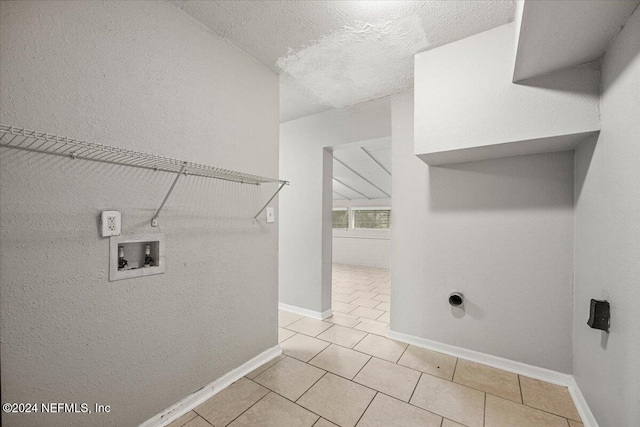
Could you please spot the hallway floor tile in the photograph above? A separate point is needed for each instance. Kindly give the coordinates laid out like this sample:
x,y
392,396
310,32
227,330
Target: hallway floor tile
x,y
345,372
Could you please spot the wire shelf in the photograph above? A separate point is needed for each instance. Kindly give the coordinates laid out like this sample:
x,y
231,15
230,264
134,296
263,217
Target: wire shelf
x,y
40,142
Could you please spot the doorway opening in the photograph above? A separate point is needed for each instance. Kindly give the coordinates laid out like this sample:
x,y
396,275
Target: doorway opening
x,y
361,234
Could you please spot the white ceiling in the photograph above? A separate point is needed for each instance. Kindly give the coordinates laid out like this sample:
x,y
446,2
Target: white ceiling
x,y
350,181
331,54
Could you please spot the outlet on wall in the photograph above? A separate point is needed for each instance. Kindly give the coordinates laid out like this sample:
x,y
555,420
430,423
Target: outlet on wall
x,y
110,223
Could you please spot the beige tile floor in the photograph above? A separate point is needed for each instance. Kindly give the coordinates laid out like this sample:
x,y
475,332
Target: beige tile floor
x,y
345,371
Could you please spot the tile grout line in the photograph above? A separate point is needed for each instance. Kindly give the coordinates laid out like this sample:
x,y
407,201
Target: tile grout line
x,y
295,333
350,380
366,334
249,406
303,407
414,388
182,425
454,370
312,336
361,368
281,359
477,389
330,327
539,409
520,388
331,342
385,394
200,416
403,352
292,401
399,400
484,411
499,397
311,386
367,408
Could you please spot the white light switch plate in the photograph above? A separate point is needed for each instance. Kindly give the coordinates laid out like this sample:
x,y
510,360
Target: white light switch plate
x,y
271,216
110,223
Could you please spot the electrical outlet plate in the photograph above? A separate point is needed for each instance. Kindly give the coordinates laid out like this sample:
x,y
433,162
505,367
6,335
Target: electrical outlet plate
x,y
271,216
110,223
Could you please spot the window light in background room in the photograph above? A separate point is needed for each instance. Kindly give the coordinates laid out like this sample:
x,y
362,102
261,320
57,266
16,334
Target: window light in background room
x,y
372,218
340,218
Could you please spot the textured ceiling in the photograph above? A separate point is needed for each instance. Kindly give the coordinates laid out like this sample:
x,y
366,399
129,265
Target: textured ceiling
x,y
336,53
356,175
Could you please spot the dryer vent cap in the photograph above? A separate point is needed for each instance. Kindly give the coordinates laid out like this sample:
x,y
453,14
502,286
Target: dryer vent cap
x,y
456,299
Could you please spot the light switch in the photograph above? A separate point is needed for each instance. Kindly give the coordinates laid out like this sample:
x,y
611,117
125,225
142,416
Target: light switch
x,y
271,216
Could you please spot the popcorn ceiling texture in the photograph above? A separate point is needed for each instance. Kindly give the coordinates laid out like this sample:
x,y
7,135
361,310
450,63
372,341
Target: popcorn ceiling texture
x,y
362,61
270,31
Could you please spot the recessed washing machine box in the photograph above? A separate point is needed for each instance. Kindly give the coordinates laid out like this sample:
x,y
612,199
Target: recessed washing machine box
x,y
136,256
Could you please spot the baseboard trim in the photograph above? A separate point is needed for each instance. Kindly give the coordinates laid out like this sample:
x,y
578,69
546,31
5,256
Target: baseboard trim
x,y
581,405
180,408
305,312
519,368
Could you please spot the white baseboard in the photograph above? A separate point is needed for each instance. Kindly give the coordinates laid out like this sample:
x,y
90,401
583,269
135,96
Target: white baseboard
x,y
304,312
325,314
581,405
180,408
519,368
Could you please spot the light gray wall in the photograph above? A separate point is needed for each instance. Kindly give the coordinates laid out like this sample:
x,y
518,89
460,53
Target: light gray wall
x,y
141,75
367,248
305,279
363,249
607,247
465,98
500,231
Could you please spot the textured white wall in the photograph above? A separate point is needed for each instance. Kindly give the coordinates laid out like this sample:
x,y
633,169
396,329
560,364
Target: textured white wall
x,y
464,97
304,274
564,33
142,75
368,248
500,231
607,254
364,250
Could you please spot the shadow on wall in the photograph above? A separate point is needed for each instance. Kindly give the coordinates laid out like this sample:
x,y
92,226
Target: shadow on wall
x,y
565,80
618,67
584,154
198,205
532,182
570,80
470,309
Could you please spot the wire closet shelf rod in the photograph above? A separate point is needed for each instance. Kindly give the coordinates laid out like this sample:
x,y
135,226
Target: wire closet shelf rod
x,y
41,142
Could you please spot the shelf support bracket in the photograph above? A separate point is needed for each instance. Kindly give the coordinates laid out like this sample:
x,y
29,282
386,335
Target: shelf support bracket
x,y
255,218
154,220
